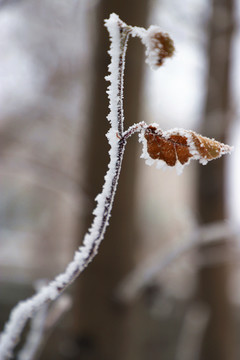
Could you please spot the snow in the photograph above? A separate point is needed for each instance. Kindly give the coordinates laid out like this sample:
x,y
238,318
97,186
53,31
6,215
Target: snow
x,y
152,52
148,40
112,25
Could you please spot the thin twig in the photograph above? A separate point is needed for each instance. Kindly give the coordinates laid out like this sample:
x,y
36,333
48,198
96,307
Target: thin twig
x,y
135,128
41,327
35,335
26,309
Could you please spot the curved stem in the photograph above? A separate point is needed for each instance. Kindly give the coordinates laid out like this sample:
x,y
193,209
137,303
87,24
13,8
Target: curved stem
x,y
24,310
82,258
135,128
124,36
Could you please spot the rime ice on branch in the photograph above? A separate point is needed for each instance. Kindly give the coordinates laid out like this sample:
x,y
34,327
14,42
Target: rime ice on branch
x,y
84,255
173,147
116,68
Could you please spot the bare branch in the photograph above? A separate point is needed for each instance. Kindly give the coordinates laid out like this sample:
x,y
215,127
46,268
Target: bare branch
x,y
144,274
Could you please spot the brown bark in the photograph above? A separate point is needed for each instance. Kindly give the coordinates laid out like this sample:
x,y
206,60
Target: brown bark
x,y
101,325
213,279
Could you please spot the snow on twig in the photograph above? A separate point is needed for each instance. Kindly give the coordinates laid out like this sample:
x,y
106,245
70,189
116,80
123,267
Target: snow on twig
x,y
119,34
35,335
41,327
84,255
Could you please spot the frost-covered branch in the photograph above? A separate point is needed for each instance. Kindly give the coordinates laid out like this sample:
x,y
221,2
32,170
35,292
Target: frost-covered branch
x,y
41,327
35,335
84,255
173,147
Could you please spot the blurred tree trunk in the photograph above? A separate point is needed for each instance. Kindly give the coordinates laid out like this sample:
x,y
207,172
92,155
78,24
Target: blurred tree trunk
x,y
101,324
213,278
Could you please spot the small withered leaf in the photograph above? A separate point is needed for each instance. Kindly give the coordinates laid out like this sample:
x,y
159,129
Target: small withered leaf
x,y
159,46
180,146
163,45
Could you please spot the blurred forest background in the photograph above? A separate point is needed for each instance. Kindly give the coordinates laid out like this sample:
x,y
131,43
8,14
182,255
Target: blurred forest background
x,y
166,282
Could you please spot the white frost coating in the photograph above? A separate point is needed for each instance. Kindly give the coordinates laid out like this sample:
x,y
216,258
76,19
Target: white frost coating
x,y
147,38
139,32
114,52
34,337
26,309
116,69
144,154
152,51
152,45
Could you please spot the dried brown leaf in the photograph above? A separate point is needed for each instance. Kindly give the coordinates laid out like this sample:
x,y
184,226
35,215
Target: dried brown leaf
x,y
180,146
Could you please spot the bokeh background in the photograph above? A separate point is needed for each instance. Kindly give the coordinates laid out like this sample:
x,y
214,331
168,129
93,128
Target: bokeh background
x,y
166,282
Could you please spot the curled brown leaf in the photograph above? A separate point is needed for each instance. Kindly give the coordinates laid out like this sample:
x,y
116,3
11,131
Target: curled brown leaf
x,y
179,145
